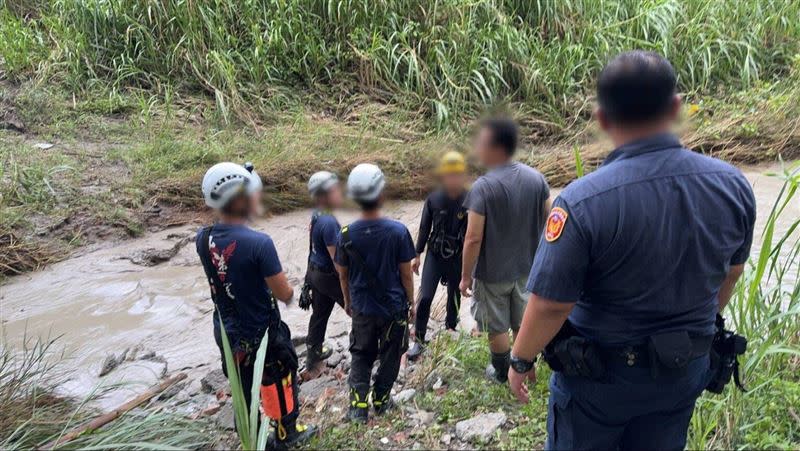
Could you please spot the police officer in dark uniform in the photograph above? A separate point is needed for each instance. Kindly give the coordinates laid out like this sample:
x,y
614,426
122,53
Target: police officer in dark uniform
x,y
635,262
442,228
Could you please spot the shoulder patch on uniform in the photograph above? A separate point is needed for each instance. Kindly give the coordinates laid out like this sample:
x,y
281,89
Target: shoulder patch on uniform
x,y
555,224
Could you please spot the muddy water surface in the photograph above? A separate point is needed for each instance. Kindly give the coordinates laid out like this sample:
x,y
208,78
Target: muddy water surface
x,y
102,303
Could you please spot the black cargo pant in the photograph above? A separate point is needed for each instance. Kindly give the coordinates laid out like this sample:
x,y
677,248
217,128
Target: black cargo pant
x,y
326,292
246,368
437,269
374,338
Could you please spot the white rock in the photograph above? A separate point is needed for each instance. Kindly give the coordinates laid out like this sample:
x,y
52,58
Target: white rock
x,y
421,417
385,440
43,146
438,384
405,395
446,439
480,428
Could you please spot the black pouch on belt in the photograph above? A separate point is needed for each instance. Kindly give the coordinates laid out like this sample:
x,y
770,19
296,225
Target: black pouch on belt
x,y
725,351
670,353
573,355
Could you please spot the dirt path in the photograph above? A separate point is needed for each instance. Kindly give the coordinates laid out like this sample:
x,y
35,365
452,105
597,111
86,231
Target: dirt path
x,y
140,322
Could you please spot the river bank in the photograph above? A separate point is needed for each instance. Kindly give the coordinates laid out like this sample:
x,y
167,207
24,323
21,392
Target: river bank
x,y
130,313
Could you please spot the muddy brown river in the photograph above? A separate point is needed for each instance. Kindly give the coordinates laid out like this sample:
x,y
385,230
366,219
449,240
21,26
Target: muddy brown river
x,y
101,303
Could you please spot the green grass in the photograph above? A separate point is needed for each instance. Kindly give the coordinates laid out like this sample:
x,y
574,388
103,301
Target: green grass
x,y
441,60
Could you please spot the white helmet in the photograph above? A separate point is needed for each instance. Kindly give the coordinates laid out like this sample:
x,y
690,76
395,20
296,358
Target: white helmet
x,y
321,182
224,181
366,182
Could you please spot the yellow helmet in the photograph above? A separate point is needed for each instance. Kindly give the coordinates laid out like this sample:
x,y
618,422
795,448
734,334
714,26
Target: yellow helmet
x,y
452,163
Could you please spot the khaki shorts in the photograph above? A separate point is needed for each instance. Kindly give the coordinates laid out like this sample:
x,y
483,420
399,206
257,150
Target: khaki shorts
x,y
499,306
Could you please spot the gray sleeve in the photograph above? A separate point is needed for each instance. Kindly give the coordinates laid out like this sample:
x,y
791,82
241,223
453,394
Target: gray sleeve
x,y
476,199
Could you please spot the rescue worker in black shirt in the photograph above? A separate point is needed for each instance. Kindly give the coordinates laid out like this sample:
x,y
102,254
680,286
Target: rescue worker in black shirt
x,y
246,277
441,229
322,290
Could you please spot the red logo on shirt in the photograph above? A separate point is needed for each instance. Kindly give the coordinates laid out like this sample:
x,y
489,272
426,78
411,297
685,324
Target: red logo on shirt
x,y
555,224
221,259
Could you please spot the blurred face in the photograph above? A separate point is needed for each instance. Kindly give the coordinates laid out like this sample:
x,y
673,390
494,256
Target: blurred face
x,y
255,206
334,196
482,147
453,183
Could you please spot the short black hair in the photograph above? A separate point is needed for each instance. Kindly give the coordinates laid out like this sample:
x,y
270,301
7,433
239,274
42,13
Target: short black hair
x,y
369,205
505,133
636,87
234,207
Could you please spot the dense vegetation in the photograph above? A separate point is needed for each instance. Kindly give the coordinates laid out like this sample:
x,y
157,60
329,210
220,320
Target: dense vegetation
x,y
443,60
140,96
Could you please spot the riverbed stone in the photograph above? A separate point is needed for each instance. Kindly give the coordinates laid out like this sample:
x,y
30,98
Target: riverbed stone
x,y
313,389
224,418
405,395
214,381
480,428
334,359
422,417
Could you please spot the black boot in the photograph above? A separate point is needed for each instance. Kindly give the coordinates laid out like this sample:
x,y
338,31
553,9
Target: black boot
x,y
293,435
359,408
497,371
317,354
382,403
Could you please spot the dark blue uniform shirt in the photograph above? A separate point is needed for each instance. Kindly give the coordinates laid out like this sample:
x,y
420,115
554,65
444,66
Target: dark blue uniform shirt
x,y
383,244
324,233
644,243
242,258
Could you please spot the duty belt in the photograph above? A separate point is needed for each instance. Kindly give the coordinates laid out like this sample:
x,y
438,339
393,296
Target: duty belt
x,y
639,356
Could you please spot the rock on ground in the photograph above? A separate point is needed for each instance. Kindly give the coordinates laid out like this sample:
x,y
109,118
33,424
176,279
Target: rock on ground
x,y
312,390
214,381
224,418
480,428
404,396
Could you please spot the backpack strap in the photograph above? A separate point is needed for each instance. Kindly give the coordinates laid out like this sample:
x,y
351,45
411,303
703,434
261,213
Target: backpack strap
x,y
314,219
225,307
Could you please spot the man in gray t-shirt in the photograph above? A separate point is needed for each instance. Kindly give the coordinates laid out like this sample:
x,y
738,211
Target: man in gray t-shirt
x,y
507,210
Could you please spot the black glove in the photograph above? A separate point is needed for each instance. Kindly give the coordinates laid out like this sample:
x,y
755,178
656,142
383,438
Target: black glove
x,y
305,297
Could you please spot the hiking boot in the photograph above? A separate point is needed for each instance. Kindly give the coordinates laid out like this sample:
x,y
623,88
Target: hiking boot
x,y
497,370
359,408
493,375
383,406
317,355
357,415
301,434
417,349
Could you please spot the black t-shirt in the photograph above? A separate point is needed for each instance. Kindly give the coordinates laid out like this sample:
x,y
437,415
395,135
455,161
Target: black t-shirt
x,y
442,211
242,258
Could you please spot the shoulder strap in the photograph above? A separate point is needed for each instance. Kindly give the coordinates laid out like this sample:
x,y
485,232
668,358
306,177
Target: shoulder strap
x,y
314,219
205,258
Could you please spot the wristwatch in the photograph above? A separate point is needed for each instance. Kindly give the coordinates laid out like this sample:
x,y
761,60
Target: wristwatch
x,y
521,365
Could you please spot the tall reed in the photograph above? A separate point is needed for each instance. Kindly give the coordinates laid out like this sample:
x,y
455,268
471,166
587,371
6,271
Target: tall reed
x,y
443,58
765,308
